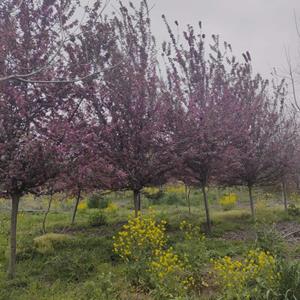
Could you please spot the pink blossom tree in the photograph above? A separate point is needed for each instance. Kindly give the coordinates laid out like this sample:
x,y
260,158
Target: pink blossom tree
x,y
41,81
258,131
286,160
128,106
201,106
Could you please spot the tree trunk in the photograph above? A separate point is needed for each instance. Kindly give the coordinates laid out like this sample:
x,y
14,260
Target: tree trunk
x,y
76,206
47,212
251,202
297,183
187,196
208,221
137,202
15,199
284,195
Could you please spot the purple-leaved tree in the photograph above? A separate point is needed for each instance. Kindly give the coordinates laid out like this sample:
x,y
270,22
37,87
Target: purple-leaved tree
x,y
257,128
40,56
200,101
128,106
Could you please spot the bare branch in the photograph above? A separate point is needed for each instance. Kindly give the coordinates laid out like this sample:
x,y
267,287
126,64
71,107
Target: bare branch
x,y
73,80
291,77
296,24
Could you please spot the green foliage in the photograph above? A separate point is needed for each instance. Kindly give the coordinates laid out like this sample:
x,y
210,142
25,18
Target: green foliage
x,y
151,264
193,249
100,288
47,243
4,223
76,264
293,210
97,200
153,193
289,283
111,209
97,218
172,199
67,267
269,239
295,198
249,278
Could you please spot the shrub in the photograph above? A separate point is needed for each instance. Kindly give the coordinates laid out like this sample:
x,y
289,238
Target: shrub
x,y
228,202
101,287
82,206
293,210
162,216
295,198
193,249
142,244
97,200
153,193
112,208
249,278
97,218
173,199
46,243
269,239
141,236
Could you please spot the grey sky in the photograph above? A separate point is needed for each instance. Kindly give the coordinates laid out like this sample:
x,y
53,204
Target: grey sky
x,y
264,27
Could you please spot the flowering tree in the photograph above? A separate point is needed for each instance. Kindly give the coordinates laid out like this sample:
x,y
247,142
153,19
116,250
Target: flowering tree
x,y
38,50
28,157
258,127
128,106
286,160
56,34
201,106
85,169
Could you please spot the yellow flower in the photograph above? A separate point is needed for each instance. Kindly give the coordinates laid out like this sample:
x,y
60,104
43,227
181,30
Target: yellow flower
x,y
235,275
227,202
82,206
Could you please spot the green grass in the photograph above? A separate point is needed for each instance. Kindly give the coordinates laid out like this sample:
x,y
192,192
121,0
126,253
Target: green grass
x,y
83,266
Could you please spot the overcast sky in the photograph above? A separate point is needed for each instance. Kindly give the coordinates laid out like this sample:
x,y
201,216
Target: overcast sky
x,y
264,27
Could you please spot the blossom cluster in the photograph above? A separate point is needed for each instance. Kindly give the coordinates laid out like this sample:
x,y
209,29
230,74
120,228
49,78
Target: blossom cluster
x,y
141,234
144,241
228,202
111,208
237,276
191,231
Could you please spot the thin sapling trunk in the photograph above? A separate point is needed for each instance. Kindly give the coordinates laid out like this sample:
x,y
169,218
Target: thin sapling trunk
x,y
187,196
208,221
251,199
76,206
137,202
284,195
15,199
47,212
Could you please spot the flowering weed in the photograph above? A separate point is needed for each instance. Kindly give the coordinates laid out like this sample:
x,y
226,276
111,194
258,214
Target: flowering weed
x,y
247,278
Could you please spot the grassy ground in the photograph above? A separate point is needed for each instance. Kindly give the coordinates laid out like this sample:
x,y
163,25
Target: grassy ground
x,y
82,265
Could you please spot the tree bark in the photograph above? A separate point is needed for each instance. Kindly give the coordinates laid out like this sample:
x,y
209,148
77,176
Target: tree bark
x,y
297,183
284,195
137,202
15,199
251,202
208,221
187,196
76,206
47,212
